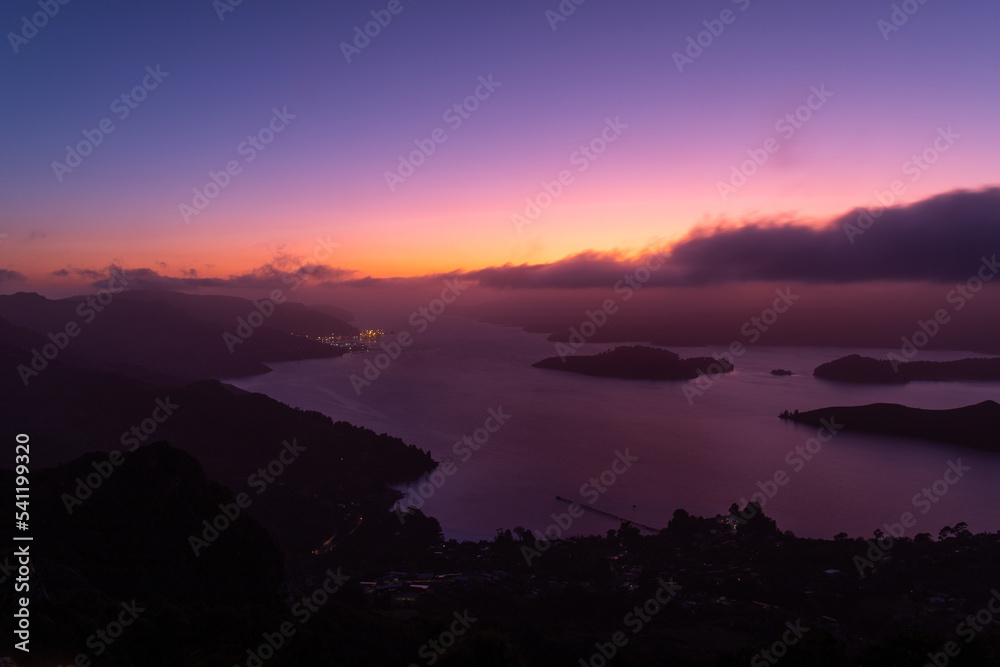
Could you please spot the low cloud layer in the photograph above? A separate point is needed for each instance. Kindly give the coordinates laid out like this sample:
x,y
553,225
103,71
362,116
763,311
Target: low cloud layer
x,y
941,239
263,277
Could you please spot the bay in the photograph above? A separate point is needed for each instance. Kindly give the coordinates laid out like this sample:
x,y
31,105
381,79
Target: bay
x,y
701,454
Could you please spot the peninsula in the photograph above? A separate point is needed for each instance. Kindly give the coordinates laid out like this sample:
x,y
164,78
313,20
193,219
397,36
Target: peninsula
x,y
855,368
973,425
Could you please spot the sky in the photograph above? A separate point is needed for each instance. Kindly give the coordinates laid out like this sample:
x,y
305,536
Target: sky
x,y
313,122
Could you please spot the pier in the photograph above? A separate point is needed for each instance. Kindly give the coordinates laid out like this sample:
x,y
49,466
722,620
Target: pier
x,y
609,514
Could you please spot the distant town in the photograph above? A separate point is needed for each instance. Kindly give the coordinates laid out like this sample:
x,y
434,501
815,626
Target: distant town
x,y
362,342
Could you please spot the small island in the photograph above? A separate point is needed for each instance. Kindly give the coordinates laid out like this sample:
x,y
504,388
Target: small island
x,y
638,362
973,425
781,372
855,368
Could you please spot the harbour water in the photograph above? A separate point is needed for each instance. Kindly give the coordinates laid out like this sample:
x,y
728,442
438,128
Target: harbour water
x,y
571,435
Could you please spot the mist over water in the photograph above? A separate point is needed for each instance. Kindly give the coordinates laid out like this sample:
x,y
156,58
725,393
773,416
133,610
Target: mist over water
x,y
565,429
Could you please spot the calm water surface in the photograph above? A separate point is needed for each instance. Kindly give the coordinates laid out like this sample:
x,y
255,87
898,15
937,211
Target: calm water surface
x,y
565,429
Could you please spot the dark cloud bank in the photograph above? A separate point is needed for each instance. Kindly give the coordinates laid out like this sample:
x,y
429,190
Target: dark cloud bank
x,y
941,239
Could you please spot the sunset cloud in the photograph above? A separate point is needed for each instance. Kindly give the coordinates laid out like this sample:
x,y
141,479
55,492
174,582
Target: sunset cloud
x,y
6,275
939,240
